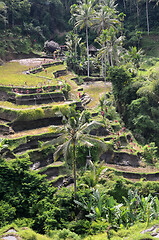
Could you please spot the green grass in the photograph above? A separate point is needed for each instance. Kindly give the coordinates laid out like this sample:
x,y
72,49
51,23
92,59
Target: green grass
x,y
44,169
132,233
12,73
24,233
50,71
96,91
35,113
5,104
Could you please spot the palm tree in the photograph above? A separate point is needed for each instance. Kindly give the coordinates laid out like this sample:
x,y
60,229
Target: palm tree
x,y
74,131
115,46
104,19
135,56
83,14
102,40
72,42
3,13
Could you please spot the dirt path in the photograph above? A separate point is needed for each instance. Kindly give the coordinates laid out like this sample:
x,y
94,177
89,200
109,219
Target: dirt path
x,y
32,61
148,173
27,133
147,169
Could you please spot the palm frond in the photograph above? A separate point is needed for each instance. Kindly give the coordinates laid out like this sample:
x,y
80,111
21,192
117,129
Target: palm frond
x,y
57,129
66,149
55,141
86,143
95,140
58,152
92,125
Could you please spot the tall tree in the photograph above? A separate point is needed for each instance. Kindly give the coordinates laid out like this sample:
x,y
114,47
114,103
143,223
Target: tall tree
x,y
72,42
147,17
84,13
74,131
3,14
102,40
112,46
104,19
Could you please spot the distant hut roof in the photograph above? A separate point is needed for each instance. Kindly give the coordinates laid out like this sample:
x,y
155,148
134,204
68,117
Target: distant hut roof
x,y
51,46
92,48
64,47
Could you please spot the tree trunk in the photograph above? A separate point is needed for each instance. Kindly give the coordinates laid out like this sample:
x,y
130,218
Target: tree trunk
x,y
87,49
105,77
102,67
124,4
147,17
111,57
137,11
74,166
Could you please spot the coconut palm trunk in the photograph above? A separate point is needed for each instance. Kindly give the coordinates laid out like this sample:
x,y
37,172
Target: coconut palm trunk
x,y
87,50
74,166
147,17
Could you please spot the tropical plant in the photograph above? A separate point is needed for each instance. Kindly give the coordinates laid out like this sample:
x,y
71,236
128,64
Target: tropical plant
x,y
75,130
100,206
83,14
94,207
102,40
104,18
2,145
135,56
140,208
3,14
92,177
72,42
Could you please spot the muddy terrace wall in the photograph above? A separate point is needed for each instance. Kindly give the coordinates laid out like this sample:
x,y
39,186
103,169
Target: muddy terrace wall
x,y
42,98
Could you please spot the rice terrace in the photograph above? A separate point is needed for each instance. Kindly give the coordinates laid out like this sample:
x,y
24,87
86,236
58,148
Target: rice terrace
x,y
79,129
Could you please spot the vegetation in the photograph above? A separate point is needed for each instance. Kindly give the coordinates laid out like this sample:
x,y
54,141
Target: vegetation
x,y
74,131
97,149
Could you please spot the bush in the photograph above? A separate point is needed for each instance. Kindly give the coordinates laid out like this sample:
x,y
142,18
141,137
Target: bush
x,y
24,222
98,226
64,234
7,213
80,226
150,152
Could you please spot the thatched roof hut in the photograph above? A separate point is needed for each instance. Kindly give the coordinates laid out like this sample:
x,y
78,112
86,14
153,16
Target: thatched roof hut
x,y
92,49
51,46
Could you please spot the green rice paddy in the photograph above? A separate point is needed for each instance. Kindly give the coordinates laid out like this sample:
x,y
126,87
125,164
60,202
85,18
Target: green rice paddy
x,y
13,73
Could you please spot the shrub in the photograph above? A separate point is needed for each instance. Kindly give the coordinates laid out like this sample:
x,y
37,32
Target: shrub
x,y
7,213
150,152
98,226
63,234
80,226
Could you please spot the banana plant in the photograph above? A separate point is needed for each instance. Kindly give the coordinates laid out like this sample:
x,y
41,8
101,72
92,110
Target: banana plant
x,y
132,205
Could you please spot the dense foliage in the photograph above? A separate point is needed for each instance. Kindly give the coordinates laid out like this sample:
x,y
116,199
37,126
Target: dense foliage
x,y
28,200
137,102
25,25
101,203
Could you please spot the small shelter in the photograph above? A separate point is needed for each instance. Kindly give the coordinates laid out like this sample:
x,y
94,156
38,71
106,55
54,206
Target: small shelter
x,y
51,46
92,50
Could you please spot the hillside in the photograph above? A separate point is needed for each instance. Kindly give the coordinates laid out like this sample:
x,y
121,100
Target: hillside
x,y
25,26
79,130
24,128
